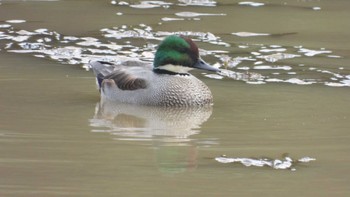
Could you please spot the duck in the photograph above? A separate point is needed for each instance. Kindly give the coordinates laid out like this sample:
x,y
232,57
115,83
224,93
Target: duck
x,y
165,82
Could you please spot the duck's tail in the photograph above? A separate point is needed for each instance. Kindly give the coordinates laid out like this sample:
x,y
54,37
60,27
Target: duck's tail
x,y
101,70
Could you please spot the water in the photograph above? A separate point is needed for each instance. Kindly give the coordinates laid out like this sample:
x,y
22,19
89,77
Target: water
x,y
281,103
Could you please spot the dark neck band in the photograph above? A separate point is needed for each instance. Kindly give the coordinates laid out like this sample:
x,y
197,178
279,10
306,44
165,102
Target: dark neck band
x,y
163,71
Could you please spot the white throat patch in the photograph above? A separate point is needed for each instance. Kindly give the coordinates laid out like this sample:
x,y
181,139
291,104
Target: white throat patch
x,y
175,68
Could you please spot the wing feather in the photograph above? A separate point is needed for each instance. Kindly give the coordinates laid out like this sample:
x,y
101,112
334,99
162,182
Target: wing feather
x,y
126,81
127,75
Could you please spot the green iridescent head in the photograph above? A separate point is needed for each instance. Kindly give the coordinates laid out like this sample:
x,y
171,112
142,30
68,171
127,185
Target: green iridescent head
x,y
179,51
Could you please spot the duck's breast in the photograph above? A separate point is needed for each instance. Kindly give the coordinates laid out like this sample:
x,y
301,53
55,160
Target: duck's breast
x,y
180,90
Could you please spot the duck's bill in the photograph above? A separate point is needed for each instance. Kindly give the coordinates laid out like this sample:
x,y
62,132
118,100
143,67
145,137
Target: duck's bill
x,y
201,64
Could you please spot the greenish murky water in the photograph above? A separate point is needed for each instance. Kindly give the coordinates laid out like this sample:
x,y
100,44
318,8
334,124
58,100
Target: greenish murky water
x,y
279,124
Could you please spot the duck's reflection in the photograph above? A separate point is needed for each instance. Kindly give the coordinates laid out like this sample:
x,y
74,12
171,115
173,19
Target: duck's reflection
x,y
169,130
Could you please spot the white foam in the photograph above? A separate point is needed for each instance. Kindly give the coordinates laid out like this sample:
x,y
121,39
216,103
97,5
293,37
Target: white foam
x,y
274,80
278,56
310,52
334,84
334,56
144,6
268,67
196,14
346,82
150,4
197,3
172,19
249,34
273,50
16,21
214,76
298,81
286,163
5,25
123,3
243,68
256,82
251,3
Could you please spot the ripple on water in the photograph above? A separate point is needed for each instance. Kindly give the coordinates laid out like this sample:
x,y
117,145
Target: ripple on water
x,y
139,42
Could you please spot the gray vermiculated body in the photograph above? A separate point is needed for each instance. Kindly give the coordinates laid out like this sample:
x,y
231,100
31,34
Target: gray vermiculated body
x,y
161,90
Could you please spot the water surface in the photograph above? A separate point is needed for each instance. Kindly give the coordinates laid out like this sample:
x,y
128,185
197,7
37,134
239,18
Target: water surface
x,y
283,94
